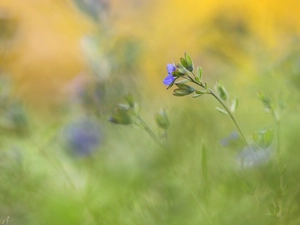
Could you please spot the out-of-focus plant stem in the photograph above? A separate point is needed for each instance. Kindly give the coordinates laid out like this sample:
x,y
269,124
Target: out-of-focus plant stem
x,y
56,162
279,165
148,130
210,91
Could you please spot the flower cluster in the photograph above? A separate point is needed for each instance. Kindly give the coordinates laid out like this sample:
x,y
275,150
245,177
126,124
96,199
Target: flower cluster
x,y
190,82
179,70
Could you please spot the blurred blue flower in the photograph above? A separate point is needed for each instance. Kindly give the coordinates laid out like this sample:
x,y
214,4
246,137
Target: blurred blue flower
x,y
170,78
232,137
83,137
254,156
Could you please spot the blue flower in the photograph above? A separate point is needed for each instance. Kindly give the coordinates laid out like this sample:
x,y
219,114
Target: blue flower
x,y
230,139
171,68
254,156
83,137
170,78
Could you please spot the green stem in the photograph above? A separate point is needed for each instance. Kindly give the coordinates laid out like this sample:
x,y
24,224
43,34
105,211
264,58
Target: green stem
x,y
56,162
277,129
231,116
149,131
225,107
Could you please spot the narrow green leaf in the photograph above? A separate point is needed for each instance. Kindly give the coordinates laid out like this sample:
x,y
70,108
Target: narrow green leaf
x,y
204,161
184,63
234,105
198,76
189,62
221,110
182,81
199,73
206,87
197,95
201,92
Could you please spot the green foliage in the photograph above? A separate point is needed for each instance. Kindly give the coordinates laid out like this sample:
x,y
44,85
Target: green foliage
x,y
180,175
183,90
162,119
121,115
234,105
263,138
222,91
198,76
180,71
189,62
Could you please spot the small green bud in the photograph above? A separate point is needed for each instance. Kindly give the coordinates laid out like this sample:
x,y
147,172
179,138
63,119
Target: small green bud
x,y
189,61
180,71
222,91
183,92
184,86
129,99
265,99
121,115
162,120
184,63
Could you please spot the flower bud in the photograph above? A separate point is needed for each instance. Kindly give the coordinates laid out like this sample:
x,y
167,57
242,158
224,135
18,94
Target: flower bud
x,y
189,62
183,90
162,119
222,91
121,116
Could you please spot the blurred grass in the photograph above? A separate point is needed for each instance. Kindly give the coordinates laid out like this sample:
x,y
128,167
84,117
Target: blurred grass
x,y
66,63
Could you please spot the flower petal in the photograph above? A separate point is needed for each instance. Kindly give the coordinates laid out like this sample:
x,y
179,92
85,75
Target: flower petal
x,y
168,80
171,68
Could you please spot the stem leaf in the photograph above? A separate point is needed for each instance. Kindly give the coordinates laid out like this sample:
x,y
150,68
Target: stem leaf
x,y
199,74
234,105
221,110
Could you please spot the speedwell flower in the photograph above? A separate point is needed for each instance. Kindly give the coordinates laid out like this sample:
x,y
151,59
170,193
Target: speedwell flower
x,y
171,68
